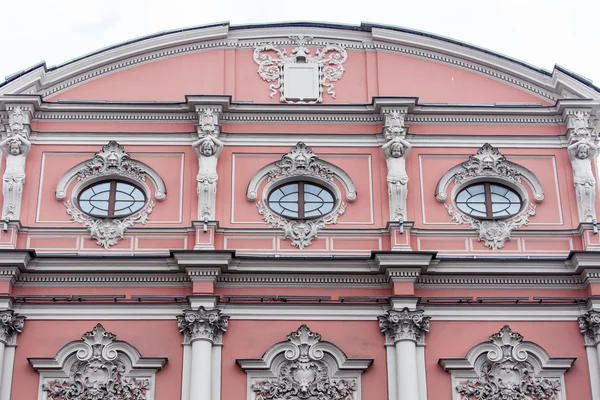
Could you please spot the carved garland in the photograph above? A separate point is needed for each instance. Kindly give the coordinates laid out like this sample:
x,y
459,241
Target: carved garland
x,y
113,160
488,162
301,161
329,60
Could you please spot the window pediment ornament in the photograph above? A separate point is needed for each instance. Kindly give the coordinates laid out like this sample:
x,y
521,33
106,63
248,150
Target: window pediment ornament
x,y
506,367
97,367
301,162
304,368
489,164
111,162
317,71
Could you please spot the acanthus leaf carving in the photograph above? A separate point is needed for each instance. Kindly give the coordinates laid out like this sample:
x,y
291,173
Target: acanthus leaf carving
x,y
112,160
98,373
108,231
11,324
209,324
494,233
589,325
17,122
404,325
506,374
304,375
329,60
301,232
487,162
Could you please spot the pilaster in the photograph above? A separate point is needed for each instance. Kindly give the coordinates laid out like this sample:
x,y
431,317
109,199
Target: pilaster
x,y
589,325
11,324
203,332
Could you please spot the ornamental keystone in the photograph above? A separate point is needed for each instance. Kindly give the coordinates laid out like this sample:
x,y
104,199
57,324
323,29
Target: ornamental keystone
x,y
589,325
404,325
11,325
203,324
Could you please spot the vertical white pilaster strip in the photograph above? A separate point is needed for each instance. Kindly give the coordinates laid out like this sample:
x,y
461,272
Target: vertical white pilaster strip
x,y
6,374
200,388
406,362
594,370
216,372
186,372
421,372
392,378
2,347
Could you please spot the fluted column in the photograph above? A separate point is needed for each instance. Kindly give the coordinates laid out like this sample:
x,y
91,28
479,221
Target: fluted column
x,y
11,325
589,325
204,329
403,330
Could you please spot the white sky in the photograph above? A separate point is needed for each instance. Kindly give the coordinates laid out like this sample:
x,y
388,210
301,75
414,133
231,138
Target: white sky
x,y
539,32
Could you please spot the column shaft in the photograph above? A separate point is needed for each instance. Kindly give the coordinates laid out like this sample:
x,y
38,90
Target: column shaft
x,y
2,346
201,388
406,368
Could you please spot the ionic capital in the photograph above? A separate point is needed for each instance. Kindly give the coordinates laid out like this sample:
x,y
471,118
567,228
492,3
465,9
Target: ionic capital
x,y
203,324
404,325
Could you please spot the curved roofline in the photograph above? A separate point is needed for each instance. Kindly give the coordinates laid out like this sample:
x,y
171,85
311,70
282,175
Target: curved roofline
x,y
363,27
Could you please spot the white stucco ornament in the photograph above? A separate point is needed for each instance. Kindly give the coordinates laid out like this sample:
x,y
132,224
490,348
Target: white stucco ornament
x,y
97,367
301,76
507,368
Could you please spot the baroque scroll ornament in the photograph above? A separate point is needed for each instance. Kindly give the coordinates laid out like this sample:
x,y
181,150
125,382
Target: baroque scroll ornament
x,y
112,160
328,61
108,231
487,162
507,374
97,374
300,161
304,375
494,233
300,232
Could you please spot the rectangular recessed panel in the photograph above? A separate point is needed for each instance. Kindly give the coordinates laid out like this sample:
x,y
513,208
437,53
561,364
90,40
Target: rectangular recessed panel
x,y
301,81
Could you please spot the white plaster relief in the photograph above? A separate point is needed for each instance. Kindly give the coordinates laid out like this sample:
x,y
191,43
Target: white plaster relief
x,y
589,325
508,368
111,162
11,325
583,150
209,324
489,164
208,148
300,77
395,150
97,367
304,368
301,162
15,148
404,325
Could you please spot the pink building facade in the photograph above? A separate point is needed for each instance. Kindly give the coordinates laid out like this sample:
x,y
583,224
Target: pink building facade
x,y
299,211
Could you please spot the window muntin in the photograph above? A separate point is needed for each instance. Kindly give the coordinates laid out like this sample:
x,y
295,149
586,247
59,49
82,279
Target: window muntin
x,y
110,199
301,200
489,200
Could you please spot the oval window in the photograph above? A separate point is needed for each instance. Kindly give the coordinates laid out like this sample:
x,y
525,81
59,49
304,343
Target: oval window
x,y
489,200
301,200
110,199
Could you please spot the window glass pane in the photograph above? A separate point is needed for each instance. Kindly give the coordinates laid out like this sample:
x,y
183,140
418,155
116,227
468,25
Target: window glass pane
x,y
317,200
496,198
100,187
503,200
499,189
475,189
290,197
308,188
96,199
478,198
292,187
312,198
104,195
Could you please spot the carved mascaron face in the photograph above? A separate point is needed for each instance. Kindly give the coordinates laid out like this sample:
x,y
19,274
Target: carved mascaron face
x,y
112,160
487,163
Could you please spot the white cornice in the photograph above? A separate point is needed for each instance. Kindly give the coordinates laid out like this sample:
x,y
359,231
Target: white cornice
x,y
102,280
220,37
300,281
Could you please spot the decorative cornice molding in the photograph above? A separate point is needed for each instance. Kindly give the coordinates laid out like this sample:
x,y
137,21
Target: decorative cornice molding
x,y
11,324
204,324
235,280
589,325
104,279
404,325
